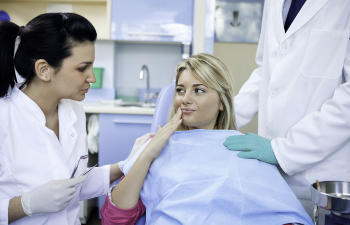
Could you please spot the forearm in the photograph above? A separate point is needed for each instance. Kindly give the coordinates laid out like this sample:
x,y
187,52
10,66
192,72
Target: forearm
x,y
126,194
115,173
15,211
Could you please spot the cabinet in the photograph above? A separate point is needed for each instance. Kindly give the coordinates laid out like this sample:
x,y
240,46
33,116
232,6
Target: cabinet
x,y
96,11
152,20
117,135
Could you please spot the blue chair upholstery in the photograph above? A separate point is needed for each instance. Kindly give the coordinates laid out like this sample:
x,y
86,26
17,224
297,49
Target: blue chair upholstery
x,y
141,221
163,105
160,116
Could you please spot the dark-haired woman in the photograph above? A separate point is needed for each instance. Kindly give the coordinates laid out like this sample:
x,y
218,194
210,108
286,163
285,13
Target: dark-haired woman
x,y
42,126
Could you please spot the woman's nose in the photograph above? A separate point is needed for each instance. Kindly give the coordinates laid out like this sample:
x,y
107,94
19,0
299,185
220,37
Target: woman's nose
x,y
91,77
187,98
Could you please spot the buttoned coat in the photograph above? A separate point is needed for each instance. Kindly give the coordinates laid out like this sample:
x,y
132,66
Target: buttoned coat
x,y
301,91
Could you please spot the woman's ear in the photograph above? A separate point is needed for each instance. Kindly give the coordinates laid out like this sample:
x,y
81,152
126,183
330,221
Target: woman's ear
x,y
221,107
43,70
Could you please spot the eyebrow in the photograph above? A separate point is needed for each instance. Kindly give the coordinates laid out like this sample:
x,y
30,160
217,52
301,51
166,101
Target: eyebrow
x,y
194,85
86,63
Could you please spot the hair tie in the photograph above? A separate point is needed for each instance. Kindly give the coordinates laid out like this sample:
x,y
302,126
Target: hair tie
x,y
18,40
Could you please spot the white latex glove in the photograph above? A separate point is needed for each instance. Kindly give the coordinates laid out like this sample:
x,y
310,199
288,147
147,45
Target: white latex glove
x,y
137,144
50,197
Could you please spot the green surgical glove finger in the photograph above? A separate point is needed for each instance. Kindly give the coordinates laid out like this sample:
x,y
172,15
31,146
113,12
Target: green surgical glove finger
x,y
240,138
265,156
240,143
254,147
247,155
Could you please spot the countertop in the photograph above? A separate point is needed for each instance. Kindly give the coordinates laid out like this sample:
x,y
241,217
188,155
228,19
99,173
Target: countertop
x,y
110,107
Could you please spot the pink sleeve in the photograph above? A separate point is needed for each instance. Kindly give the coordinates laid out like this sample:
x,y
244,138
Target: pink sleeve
x,y
112,215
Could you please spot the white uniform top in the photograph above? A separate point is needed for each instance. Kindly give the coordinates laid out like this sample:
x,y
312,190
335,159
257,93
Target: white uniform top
x,y
31,155
301,90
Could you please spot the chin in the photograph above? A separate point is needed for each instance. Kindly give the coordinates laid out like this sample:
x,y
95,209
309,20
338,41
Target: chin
x,y
81,99
78,98
187,124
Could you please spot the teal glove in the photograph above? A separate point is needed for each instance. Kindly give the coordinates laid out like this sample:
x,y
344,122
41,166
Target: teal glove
x,y
252,146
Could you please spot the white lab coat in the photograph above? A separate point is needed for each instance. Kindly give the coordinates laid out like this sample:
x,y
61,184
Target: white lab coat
x,y
301,90
31,155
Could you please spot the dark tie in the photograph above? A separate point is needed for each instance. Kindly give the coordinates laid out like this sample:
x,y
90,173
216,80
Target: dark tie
x,y
293,12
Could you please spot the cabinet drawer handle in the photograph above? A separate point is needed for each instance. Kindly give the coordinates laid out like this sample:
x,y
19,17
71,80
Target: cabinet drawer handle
x,y
150,34
132,122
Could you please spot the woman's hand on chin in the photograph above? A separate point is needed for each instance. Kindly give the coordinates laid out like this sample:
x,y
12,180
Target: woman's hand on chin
x,y
162,135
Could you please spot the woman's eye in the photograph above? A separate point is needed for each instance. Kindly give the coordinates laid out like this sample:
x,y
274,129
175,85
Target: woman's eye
x,y
199,91
82,69
179,90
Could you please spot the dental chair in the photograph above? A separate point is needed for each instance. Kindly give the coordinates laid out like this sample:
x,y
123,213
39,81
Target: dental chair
x,y
163,105
160,116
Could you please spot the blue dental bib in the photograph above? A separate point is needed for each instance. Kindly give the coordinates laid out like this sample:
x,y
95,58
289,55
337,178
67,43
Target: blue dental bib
x,y
196,180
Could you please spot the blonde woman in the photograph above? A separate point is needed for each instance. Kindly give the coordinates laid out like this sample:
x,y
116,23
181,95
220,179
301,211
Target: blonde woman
x,y
177,174
214,80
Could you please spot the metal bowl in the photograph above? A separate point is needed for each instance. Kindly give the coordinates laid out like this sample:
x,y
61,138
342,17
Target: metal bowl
x,y
332,195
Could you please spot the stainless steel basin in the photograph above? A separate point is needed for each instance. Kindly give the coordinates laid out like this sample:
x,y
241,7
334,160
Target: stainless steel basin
x,y
333,196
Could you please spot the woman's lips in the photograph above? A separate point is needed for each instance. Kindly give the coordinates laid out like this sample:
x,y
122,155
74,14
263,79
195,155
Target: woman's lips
x,y
187,111
85,90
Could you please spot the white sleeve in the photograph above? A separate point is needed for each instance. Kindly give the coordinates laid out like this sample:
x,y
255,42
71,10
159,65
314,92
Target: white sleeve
x,y
4,206
97,183
325,129
246,102
4,200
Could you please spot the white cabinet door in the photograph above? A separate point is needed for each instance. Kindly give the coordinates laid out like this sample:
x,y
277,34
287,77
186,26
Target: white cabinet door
x,y
152,20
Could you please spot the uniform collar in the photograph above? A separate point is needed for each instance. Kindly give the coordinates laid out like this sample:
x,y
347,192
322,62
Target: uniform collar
x,y
27,104
66,115
307,12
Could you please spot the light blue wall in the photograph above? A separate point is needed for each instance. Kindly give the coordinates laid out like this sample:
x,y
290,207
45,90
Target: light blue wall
x,y
104,57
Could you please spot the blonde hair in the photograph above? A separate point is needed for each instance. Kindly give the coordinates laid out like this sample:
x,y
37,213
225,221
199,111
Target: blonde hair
x,y
213,73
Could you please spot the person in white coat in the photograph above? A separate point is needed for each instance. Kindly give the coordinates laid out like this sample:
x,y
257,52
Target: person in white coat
x,y
301,89
43,143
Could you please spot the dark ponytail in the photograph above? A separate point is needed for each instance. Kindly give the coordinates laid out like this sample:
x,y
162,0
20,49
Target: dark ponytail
x,y
8,33
49,36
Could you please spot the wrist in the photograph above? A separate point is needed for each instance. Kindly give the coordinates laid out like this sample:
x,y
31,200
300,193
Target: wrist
x,y
25,202
15,210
